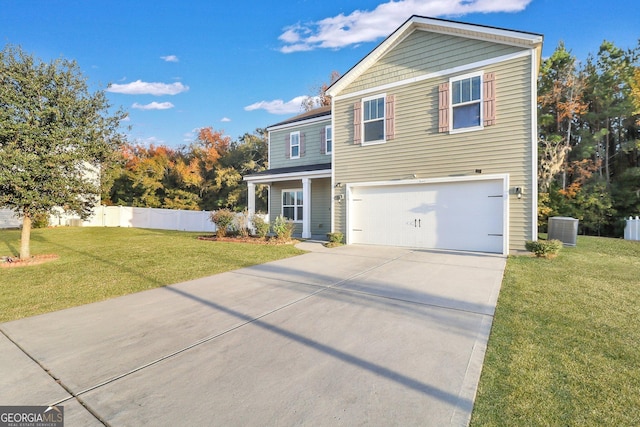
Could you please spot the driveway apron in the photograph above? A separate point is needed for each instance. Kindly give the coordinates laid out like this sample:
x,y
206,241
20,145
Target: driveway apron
x,y
355,335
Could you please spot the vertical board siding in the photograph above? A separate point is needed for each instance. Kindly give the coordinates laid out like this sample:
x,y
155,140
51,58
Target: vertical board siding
x,y
418,147
310,145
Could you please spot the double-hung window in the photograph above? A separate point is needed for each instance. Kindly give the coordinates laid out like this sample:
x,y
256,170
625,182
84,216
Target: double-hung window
x,y
292,203
466,100
373,119
294,145
328,140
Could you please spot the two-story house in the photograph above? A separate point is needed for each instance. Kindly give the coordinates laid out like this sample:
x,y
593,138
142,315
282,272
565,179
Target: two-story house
x,y
430,142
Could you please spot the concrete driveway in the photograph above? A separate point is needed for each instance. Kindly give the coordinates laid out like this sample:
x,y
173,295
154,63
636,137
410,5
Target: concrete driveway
x,y
355,335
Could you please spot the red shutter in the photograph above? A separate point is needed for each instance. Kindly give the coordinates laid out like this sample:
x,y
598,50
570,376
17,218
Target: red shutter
x,y
357,120
489,103
443,107
287,146
390,117
301,144
323,141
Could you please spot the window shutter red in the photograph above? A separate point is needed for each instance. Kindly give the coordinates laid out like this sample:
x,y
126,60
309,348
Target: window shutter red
x,y
302,145
390,117
323,141
357,120
287,145
443,107
489,103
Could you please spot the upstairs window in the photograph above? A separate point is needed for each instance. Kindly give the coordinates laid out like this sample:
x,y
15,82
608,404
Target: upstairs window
x,y
328,140
292,203
373,119
294,145
465,102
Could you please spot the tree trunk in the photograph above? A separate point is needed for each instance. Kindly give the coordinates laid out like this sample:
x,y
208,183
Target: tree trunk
x,y
25,237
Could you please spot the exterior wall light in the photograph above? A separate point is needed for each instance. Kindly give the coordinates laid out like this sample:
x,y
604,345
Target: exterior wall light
x,y
519,192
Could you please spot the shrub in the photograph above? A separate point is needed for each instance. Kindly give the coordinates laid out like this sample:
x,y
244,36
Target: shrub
x,y
283,228
241,224
223,219
335,237
544,248
261,226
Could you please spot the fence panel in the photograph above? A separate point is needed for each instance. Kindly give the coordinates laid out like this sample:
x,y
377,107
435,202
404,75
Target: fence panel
x,y
632,229
125,216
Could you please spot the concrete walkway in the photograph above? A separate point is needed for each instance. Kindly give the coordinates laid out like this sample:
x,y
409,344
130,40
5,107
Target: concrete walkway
x,y
356,335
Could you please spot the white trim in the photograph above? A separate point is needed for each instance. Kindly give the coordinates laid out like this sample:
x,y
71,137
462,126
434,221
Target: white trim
x,y
295,207
534,146
363,135
291,135
438,74
479,102
292,176
332,207
303,122
328,152
449,179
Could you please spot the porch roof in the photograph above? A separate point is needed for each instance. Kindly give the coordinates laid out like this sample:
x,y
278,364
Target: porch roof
x,y
320,170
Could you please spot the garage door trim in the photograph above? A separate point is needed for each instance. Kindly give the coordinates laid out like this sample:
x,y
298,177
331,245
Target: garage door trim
x,y
456,179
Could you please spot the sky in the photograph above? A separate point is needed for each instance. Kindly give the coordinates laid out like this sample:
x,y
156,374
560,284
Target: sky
x,y
178,66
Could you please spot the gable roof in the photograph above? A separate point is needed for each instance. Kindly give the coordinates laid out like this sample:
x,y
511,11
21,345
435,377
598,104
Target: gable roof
x,y
443,26
316,113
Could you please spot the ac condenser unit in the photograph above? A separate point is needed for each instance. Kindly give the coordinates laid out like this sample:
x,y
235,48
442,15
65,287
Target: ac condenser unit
x,y
564,229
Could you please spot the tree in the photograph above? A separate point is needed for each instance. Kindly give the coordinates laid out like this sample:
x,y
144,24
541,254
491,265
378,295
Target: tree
x,y
560,102
320,99
54,136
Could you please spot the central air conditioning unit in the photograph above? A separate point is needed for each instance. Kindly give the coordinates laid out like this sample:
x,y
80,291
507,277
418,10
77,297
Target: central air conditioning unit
x,y
564,229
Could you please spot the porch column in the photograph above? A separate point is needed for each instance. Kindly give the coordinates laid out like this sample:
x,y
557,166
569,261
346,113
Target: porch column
x,y
306,208
251,198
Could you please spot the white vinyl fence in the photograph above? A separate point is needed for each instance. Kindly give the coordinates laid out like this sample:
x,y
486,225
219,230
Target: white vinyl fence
x,y
632,229
123,216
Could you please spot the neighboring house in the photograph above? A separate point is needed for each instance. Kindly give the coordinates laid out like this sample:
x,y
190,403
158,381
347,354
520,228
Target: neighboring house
x,y
434,144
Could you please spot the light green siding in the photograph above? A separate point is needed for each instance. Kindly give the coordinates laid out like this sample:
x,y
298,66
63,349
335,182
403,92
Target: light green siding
x,y
278,143
320,204
419,149
425,53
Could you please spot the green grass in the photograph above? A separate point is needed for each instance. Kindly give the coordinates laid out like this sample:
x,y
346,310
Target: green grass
x,y
100,263
564,348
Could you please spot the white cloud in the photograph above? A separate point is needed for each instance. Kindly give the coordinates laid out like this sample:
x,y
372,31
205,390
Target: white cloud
x,y
225,119
278,106
170,58
366,26
148,88
153,106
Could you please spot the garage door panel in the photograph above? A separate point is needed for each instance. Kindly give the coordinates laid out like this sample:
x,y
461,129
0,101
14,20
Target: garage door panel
x,y
459,216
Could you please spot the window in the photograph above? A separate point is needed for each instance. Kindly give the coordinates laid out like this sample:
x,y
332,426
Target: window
x,y
328,140
294,145
373,119
465,102
292,204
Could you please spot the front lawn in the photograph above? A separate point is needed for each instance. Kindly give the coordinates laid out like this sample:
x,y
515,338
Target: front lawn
x,y
564,348
98,263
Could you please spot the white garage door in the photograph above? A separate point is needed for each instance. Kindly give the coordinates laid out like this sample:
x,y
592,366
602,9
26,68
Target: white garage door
x,y
467,215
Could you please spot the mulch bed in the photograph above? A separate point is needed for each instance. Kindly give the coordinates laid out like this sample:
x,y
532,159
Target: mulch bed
x,y
249,239
13,262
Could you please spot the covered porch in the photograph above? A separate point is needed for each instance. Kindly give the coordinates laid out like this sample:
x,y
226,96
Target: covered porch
x,y
301,194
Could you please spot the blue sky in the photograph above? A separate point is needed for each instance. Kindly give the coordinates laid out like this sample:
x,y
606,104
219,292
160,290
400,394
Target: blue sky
x,y
177,66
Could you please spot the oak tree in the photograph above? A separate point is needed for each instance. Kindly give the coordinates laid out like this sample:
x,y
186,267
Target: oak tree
x,y
54,136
